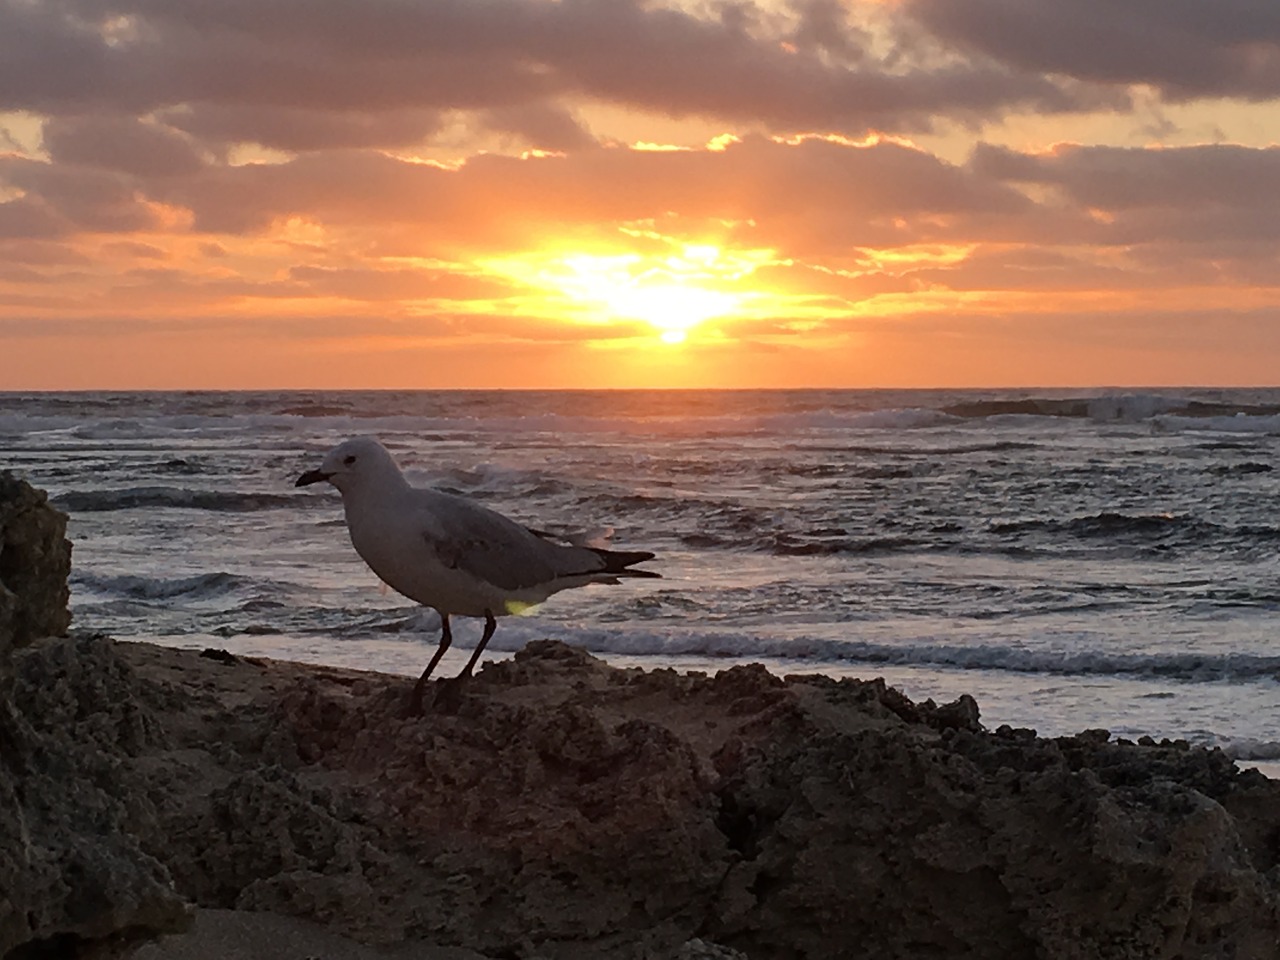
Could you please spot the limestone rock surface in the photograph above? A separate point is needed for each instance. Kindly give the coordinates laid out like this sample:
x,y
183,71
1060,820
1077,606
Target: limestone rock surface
x,y
73,878
35,561
569,809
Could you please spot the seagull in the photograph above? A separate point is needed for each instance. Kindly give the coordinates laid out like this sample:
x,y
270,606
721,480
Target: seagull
x,y
452,554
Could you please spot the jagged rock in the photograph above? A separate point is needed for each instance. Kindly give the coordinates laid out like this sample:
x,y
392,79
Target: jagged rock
x,y
966,845
35,561
569,809
566,809
74,881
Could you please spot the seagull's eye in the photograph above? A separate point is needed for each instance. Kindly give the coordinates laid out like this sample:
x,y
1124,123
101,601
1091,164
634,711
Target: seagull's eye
x,y
348,461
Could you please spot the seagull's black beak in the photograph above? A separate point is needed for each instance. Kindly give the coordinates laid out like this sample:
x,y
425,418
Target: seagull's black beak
x,y
310,477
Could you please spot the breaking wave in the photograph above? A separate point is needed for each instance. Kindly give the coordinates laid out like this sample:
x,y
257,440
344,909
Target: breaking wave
x,y
1191,667
204,586
132,498
1127,408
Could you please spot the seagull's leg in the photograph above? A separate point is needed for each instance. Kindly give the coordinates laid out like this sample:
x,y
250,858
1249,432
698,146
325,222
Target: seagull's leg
x,y
446,638
490,625
449,695
449,698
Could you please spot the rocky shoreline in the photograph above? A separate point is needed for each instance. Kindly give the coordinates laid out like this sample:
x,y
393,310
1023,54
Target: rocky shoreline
x,y
567,808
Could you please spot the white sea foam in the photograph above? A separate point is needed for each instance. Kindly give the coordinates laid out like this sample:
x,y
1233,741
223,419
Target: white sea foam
x,y
1132,407
737,645
141,422
1246,748
910,418
1238,423
199,586
154,497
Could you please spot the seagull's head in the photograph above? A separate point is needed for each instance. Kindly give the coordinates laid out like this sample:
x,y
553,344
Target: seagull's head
x,y
361,461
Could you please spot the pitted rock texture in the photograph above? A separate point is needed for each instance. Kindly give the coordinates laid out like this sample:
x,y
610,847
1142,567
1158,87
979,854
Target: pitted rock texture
x,y
569,809
74,880
35,561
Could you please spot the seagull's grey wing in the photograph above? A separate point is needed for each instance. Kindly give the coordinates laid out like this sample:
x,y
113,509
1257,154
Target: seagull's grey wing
x,y
499,551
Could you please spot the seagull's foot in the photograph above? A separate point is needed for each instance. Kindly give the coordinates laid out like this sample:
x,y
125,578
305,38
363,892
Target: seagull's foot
x,y
443,696
448,695
415,707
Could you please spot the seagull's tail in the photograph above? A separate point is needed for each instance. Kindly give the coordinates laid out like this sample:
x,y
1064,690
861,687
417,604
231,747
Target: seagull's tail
x,y
618,562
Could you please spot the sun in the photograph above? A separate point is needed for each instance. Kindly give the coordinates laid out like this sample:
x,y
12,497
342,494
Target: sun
x,y
672,293
671,307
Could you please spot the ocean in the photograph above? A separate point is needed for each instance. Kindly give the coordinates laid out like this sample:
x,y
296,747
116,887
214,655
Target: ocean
x,y
1073,559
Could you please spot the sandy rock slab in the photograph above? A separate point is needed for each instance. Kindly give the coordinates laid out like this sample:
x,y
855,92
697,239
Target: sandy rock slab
x,y
557,807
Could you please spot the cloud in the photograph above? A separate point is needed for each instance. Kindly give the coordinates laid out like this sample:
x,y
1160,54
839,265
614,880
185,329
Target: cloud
x,y
296,129
1218,201
846,220
1184,48
40,252
542,126
134,249
825,26
396,284
337,73
29,219
120,143
810,195
61,198
811,200
322,328
1120,178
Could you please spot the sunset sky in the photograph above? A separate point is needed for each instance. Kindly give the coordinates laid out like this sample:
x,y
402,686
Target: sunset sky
x,y
619,193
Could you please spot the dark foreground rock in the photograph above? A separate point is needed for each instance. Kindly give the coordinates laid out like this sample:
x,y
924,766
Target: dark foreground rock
x,y
35,561
569,809
73,878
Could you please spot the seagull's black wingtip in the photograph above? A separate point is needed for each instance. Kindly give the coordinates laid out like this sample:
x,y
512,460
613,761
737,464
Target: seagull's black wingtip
x,y
619,562
640,573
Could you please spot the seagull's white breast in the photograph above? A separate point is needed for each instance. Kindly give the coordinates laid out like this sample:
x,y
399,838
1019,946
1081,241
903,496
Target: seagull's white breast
x,y
396,543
